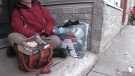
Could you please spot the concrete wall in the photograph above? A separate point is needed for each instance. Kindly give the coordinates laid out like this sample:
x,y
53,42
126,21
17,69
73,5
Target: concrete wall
x,y
106,24
129,2
104,20
97,22
132,3
112,18
81,12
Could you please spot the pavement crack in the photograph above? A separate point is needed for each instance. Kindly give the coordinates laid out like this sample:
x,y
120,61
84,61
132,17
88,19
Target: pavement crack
x,y
100,73
57,63
92,68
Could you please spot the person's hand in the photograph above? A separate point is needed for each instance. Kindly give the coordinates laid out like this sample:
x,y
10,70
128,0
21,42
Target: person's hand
x,y
32,44
43,37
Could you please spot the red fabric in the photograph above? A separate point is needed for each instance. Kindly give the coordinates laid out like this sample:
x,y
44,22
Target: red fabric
x,y
33,17
132,11
45,60
73,38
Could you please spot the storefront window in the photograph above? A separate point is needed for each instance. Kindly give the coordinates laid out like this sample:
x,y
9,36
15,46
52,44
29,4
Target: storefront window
x,y
116,2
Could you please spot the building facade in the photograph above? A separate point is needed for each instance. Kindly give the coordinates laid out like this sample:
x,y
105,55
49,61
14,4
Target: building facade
x,y
104,19
103,16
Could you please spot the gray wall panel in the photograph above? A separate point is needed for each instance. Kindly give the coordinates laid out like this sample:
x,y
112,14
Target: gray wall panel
x,y
4,11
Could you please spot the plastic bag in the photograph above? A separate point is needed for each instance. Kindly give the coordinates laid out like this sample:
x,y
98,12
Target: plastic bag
x,y
74,39
64,31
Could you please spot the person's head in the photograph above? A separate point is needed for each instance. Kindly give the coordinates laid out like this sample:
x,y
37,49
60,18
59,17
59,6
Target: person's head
x,y
26,1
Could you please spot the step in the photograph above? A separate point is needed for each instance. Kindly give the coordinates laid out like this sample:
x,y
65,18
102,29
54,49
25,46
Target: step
x,y
60,67
73,66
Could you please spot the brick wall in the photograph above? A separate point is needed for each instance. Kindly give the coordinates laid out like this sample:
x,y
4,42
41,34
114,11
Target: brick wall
x,y
81,12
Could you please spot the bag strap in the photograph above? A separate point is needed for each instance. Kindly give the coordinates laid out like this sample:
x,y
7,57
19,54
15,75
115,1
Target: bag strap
x,y
23,21
44,70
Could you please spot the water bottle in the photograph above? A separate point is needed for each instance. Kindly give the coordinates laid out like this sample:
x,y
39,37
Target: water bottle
x,y
64,31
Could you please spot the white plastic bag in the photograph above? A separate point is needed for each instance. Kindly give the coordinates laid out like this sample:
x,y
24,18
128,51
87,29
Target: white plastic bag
x,y
74,39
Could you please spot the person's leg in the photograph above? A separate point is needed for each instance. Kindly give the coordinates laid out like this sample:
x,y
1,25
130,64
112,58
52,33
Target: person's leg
x,y
55,42
13,38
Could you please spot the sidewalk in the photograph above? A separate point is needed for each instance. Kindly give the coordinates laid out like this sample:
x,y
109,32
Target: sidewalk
x,y
119,58
60,67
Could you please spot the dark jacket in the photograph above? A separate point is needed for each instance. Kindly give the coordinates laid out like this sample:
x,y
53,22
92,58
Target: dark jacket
x,y
34,18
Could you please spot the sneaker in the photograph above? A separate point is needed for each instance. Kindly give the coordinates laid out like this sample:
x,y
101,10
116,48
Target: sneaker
x,y
59,52
10,52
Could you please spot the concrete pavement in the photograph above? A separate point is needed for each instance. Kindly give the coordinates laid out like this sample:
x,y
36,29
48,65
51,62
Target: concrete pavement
x,y
119,58
60,67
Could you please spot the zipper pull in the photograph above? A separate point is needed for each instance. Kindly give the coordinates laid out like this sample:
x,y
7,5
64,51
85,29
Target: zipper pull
x,y
43,31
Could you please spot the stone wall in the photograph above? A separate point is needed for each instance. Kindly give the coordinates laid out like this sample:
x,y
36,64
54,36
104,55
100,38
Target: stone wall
x,y
112,18
104,20
81,12
106,24
97,23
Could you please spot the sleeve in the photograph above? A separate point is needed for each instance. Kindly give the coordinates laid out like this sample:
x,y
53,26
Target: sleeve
x,y
49,21
17,25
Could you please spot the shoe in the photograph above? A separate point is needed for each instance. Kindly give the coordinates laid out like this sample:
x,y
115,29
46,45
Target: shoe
x,y
59,52
10,52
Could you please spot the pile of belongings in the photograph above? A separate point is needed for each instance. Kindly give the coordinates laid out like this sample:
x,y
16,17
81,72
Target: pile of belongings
x,y
73,37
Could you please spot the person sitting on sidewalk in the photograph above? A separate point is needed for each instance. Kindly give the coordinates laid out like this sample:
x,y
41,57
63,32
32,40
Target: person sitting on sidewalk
x,y
31,18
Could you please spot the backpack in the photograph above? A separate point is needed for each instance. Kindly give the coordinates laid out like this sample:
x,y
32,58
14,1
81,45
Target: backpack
x,y
32,63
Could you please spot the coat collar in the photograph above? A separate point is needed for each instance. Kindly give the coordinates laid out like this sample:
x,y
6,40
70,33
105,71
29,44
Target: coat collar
x,y
34,2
